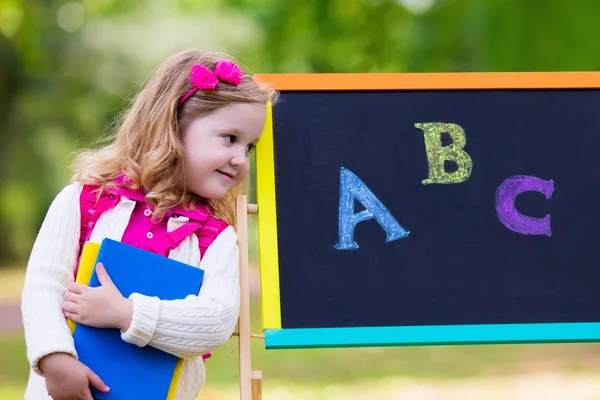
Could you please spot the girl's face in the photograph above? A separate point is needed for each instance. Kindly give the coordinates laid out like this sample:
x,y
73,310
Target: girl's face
x,y
218,147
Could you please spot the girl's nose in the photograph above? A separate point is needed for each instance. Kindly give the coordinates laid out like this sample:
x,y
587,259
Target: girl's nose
x,y
239,157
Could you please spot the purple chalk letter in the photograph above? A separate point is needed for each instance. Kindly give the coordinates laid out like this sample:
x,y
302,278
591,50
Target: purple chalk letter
x,y
508,214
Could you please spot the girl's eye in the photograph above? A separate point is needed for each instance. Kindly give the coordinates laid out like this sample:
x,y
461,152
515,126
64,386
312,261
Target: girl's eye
x,y
230,138
250,148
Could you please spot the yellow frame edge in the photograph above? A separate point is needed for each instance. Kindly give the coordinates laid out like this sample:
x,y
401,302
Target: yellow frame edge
x,y
267,227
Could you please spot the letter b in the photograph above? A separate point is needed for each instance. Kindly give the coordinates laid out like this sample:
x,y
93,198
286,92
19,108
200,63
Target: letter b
x,y
437,154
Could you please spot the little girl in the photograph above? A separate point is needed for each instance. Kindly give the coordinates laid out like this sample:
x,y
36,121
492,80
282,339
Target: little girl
x,y
166,184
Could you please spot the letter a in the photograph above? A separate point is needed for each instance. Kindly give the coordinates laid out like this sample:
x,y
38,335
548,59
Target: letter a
x,y
437,154
351,187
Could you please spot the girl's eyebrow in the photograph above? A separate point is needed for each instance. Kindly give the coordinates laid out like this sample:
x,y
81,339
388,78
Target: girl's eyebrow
x,y
231,129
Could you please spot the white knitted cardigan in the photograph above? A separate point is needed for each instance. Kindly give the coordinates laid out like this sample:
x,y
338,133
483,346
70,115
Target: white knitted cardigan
x,y
186,328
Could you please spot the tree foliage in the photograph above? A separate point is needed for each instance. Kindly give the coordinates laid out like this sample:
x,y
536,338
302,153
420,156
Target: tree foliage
x,y
67,67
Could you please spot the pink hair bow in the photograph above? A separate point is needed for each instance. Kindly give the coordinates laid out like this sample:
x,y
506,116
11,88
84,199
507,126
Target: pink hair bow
x,y
228,72
204,79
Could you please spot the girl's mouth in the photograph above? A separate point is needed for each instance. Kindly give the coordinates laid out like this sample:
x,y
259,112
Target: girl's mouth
x,y
226,175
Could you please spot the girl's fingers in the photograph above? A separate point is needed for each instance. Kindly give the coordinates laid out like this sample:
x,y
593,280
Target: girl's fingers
x,y
77,288
70,296
70,307
71,316
96,382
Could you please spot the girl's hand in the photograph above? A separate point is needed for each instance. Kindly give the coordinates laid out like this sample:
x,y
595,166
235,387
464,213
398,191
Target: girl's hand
x,y
67,378
99,307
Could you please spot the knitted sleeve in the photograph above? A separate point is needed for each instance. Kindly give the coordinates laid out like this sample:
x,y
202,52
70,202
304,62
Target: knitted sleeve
x,y
198,324
49,271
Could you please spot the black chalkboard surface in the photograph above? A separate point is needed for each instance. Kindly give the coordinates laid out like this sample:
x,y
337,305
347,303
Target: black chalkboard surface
x,y
435,216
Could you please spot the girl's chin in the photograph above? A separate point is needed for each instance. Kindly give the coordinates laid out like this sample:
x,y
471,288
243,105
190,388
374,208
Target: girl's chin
x,y
211,195
211,192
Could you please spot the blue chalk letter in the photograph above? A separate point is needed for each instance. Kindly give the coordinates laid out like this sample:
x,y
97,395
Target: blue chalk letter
x,y
351,187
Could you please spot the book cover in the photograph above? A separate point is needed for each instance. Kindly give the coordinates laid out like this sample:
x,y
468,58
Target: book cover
x,y
131,371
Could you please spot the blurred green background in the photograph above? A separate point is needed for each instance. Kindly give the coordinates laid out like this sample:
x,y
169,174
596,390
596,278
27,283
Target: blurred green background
x,y
66,69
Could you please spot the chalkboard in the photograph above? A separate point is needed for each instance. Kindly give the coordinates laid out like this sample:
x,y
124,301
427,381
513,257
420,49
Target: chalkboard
x,y
461,209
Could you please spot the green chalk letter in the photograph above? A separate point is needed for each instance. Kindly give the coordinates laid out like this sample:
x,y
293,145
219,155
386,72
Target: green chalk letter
x,y
437,154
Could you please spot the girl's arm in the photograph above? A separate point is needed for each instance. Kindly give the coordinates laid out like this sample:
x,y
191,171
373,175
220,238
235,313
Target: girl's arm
x,y
198,324
49,271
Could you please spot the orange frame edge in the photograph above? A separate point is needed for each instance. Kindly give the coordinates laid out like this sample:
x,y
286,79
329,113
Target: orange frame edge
x,y
433,81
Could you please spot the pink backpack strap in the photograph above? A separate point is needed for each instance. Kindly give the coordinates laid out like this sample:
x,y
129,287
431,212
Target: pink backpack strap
x,y
92,207
169,241
211,229
84,206
206,231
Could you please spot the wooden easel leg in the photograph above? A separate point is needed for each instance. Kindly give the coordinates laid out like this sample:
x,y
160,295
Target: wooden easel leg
x,y
250,381
256,385
244,319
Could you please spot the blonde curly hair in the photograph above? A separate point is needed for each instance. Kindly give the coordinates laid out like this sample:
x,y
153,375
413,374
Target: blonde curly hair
x,y
147,144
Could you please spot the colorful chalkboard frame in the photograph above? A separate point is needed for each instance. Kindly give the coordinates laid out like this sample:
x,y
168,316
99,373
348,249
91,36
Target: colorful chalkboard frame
x,y
278,338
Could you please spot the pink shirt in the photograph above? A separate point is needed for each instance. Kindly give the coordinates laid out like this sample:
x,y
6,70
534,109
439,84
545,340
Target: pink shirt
x,y
141,232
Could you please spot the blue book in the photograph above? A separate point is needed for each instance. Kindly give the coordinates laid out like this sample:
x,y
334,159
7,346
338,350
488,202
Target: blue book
x,y
130,371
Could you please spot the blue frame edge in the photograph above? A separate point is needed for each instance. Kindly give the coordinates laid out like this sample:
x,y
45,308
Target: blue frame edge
x,y
431,335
